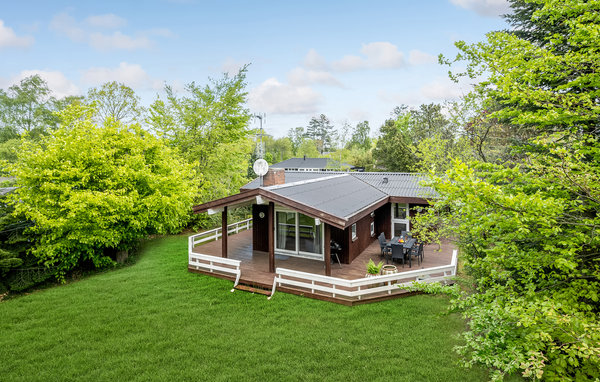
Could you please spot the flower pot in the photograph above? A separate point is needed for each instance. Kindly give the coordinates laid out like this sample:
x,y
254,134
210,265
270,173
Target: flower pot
x,y
389,269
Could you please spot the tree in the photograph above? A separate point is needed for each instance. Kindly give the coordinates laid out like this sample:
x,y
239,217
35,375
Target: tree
x,y
428,121
528,229
95,190
392,151
320,130
296,136
280,148
308,148
209,127
117,101
26,108
360,136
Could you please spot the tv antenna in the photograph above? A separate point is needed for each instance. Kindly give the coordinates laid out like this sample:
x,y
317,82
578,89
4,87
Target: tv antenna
x,y
260,149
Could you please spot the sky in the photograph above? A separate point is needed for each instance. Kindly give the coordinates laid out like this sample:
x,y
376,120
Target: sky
x,y
350,60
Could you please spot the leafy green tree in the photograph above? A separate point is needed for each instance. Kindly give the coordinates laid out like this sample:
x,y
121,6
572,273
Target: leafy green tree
x,y
280,149
392,151
320,130
296,136
436,154
93,191
209,127
117,101
428,121
528,229
308,147
26,108
360,136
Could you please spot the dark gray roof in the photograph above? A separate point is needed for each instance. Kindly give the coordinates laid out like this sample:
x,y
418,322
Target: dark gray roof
x,y
398,184
324,194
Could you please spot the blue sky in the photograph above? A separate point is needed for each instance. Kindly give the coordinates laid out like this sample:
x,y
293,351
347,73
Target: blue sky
x,y
350,60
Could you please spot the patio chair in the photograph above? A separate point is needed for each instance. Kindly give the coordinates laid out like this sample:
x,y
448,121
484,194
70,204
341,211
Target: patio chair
x,y
406,234
398,253
421,251
335,249
383,245
414,252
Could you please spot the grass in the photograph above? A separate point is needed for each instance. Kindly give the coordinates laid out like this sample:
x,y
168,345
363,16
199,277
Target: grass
x,y
156,321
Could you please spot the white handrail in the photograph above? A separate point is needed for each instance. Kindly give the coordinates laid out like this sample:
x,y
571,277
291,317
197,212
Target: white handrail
x,y
363,286
219,264
215,234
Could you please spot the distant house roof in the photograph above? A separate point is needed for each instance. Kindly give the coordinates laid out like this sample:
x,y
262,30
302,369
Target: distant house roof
x,y
310,163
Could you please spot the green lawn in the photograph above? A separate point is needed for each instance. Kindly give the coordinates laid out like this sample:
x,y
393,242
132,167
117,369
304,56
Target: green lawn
x,y
156,321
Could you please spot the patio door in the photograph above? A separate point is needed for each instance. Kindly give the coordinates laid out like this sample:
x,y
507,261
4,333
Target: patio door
x,y
400,220
298,235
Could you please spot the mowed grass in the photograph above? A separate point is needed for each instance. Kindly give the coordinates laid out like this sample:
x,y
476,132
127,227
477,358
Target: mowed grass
x,y
155,321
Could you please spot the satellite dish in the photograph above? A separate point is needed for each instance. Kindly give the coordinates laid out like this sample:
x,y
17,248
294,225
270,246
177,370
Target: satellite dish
x,y
260,167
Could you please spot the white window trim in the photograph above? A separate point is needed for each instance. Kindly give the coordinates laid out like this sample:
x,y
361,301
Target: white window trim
x,y
405,221
372,229
297,253
354,232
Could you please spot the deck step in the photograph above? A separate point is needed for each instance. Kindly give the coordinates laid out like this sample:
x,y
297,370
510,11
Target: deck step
x,y
253,289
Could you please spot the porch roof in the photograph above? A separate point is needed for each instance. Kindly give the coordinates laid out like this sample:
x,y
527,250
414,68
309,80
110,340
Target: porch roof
x,y
336,198
319,198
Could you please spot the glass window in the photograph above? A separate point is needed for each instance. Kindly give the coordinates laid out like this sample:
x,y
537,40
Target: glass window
x,y
309,234
399,211
398,228
354,231
372,228
286,230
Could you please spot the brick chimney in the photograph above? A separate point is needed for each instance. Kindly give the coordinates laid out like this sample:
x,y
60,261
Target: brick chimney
x,y
274,177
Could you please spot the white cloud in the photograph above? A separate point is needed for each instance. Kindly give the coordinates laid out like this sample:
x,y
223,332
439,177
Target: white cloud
x,y
118,41
66,25
377,55
275,97
417,57
349,63
57,82
439,90
8,38
490,8
300,77
109,21
83,31
383,55
315,61
132,75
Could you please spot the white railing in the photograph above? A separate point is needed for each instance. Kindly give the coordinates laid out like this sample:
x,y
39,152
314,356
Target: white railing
x,y
215,234
216,264
356,289
213,263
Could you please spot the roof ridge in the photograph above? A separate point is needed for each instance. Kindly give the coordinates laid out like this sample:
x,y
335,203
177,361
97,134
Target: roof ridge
x,y
369,184
300,182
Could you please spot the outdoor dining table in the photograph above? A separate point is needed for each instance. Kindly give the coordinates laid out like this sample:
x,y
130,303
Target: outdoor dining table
x,y
407,244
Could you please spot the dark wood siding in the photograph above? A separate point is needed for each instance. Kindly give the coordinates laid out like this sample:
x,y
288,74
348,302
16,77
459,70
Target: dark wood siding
x,y
339,236
383,220
363,237
260,229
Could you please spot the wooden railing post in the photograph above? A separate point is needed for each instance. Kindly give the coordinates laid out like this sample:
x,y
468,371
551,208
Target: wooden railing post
x,y
224,232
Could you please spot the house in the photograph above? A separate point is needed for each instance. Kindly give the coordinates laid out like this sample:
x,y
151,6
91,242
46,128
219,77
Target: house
x,y
314,164
297,213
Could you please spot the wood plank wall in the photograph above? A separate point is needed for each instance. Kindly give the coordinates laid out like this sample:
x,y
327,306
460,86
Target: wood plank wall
x,y
260,229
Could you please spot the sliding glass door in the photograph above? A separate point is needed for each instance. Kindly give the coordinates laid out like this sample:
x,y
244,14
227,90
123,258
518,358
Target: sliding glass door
x,y
298,235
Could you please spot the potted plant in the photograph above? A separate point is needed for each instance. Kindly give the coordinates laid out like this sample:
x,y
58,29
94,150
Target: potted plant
x,y
373,269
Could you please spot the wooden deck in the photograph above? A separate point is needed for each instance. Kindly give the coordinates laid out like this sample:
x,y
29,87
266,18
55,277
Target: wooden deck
x,y
255,264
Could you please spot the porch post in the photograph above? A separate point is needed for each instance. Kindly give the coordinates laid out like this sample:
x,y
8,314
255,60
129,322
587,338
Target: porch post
x,y
327,238
224,232
271,236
